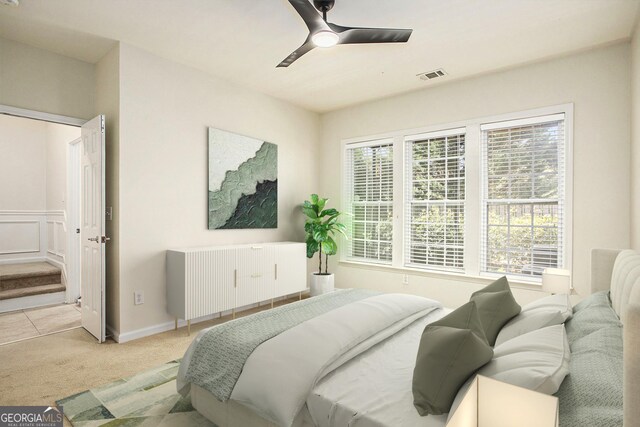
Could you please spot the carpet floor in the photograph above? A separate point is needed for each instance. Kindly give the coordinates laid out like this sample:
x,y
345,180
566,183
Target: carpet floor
x,y
42,370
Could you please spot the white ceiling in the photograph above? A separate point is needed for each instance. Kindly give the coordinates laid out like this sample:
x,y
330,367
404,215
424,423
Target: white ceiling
x,y
243,40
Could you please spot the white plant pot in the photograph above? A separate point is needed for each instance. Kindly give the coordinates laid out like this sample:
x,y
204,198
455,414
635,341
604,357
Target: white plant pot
x,y
321,284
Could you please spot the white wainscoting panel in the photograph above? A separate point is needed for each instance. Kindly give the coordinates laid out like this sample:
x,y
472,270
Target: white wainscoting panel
x,y
56,237
19,236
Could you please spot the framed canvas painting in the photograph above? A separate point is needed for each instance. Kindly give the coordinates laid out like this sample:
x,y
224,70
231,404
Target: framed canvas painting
x,y
243,182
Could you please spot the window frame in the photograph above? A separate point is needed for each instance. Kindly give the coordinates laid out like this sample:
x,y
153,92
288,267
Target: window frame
x,y
473,192
346,199
408,202
486,200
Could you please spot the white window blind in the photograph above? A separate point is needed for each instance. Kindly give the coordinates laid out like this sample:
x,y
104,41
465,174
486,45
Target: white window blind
x,y
369,200
435,200
523,195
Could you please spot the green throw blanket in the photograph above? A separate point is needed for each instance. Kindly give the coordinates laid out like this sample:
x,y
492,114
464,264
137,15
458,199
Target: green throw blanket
x,y
221,352
591,395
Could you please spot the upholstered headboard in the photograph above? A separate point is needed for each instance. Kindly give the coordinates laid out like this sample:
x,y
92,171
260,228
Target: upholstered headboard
x,y
619,271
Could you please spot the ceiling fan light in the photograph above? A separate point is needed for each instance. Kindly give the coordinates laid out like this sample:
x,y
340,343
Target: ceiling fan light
x,y
325,38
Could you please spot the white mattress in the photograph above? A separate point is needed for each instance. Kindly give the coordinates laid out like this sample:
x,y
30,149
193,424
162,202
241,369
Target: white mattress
x,y
374,388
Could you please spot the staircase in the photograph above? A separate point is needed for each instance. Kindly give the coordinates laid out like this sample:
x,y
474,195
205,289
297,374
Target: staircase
x,y
25,280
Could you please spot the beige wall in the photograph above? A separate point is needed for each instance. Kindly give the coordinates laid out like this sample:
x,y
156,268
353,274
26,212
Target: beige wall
x,y
597,82
108,103
165,111
39,80
635,145
23,160
33,164
58,138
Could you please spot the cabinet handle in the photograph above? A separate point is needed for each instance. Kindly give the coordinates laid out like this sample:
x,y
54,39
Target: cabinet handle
x,y
276,271
235,278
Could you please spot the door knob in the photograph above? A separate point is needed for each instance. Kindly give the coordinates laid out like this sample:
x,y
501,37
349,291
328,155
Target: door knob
x,y
99,239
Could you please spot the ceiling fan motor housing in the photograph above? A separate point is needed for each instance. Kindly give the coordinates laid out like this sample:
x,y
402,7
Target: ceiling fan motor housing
x,y
324,5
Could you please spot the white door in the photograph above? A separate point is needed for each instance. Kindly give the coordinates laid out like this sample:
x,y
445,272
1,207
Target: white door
x,y
92,228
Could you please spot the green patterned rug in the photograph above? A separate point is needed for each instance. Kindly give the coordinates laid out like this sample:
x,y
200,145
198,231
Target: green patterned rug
x,y
145,399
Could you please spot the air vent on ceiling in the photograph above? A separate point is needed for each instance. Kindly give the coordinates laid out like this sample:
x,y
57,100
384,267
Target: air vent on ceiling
x,y
430,75
10,2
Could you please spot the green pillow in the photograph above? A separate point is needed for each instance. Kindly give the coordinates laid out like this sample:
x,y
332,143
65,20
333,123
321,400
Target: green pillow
x,y
496,306
451,350
502,284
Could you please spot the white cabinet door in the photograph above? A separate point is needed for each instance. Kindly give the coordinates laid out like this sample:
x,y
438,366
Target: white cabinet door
x,y
209,282
291,264
255,274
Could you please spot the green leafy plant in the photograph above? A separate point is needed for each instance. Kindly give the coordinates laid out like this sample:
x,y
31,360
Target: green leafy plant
x,y
321,227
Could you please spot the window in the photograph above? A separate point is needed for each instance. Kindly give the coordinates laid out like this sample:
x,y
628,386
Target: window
x,y
435,196
480,197
369,200
523,195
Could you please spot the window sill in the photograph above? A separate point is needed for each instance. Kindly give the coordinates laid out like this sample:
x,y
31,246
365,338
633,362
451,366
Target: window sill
x,y
516,283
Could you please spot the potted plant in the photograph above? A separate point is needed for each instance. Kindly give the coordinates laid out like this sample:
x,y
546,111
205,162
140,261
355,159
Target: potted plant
x,y
321,227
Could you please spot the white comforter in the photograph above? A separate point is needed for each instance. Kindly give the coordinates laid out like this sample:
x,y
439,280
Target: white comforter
x,y
280,374
374,388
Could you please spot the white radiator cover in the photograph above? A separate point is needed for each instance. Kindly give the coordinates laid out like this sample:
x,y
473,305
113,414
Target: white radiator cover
x,y
204,281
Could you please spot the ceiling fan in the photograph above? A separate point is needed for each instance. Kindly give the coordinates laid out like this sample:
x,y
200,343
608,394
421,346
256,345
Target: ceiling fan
x,y
326,34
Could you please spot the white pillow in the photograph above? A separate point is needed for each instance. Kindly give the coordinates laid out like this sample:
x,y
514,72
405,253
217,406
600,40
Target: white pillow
x,y
559,302
538,360
528,321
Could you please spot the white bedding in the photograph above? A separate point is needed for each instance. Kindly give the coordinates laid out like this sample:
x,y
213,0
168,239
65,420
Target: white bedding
x,y
280,374
351,396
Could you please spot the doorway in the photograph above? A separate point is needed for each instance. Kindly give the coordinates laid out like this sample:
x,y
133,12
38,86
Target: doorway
x,y
41,224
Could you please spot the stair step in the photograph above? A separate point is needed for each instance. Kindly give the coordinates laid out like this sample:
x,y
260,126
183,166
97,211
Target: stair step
x,y
15,271
33,290
21,276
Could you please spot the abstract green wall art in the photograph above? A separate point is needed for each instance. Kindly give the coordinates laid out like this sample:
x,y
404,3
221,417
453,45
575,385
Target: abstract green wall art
x,y
243,182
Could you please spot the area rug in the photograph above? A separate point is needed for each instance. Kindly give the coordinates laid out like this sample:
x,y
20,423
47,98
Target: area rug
x,y
145,399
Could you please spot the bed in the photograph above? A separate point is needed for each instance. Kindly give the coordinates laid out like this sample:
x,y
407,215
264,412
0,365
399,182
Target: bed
x,y
326,371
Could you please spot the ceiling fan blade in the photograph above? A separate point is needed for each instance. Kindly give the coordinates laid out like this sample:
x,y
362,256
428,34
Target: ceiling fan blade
x,y
309,15
306,47
371,35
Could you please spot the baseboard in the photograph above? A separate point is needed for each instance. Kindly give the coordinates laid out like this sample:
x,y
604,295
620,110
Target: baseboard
x,y
123,337
31,301
153,330
23,260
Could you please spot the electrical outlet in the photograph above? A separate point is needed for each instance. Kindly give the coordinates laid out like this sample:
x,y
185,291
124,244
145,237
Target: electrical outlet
x,y
405,279
138,297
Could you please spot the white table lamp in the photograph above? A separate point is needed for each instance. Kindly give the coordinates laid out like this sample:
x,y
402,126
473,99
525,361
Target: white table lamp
x,y
556,281
492,403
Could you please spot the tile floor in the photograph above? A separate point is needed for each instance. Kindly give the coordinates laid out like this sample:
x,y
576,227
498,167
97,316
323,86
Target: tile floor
x,y
33,322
